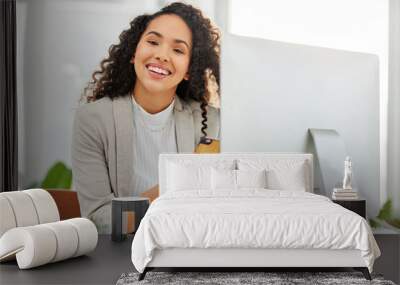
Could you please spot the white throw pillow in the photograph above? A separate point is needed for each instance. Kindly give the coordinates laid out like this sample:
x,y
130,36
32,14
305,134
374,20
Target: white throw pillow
x,y
223,179
181,177
282,174
251,178
185,174
236,179
293,178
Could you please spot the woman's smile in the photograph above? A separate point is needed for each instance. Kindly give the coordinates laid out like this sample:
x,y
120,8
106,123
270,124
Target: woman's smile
x,y
157,71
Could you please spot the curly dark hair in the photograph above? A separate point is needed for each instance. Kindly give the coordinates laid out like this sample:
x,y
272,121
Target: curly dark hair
x,y
117,76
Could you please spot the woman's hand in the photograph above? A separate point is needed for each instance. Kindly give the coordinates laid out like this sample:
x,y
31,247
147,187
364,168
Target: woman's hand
x,y
152,193
213,146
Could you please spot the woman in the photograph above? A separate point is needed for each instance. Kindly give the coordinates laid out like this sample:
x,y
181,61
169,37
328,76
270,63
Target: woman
x,y
151,95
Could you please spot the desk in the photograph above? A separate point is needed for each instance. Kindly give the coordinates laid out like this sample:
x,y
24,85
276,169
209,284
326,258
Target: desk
x,y
389,263
104,265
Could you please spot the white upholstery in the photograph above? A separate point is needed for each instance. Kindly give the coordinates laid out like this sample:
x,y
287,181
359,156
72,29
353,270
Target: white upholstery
x,y
87,235
32,246
7,220
27,208
31,230
45,205
65,236
41,244
256,257
23,209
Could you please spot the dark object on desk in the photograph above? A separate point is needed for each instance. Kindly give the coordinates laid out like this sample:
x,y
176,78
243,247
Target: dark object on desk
x,y
388,263
139,205
358,206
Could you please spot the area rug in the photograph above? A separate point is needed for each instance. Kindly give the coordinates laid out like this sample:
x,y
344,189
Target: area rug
x,y
269,278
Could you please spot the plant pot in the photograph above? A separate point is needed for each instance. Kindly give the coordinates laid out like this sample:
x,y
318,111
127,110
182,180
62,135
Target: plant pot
x,y
67,203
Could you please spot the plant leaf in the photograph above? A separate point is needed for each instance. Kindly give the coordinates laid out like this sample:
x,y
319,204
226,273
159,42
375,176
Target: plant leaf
x,y
58,176
66,179
373,223
394,223
386,212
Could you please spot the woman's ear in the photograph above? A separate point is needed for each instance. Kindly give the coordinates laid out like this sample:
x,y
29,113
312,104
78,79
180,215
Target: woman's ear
x,y
132,59
186,77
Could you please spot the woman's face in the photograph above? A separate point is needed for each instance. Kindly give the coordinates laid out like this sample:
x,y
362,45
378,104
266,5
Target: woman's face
x,y
163,53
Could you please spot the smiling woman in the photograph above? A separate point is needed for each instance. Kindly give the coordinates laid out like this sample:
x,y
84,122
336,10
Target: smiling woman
x,y
161,62
151,95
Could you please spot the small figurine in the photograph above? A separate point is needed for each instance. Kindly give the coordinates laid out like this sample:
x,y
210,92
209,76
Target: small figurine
x,y
347,174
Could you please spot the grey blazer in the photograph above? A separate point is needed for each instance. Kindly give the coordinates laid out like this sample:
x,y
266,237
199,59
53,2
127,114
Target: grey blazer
x,y
102,150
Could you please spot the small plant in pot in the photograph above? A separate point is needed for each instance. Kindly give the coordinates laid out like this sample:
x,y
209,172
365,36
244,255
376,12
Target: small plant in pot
x,y
386,217
58,181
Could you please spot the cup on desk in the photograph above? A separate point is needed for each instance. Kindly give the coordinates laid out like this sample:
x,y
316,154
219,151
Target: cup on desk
x,y
127,212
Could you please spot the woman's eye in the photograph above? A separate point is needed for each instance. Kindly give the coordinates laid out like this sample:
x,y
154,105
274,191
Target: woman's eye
x,y
178,51
154,43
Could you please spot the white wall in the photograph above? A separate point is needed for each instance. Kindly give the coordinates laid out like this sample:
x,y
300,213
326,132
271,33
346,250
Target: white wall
x,y
355,25
273,92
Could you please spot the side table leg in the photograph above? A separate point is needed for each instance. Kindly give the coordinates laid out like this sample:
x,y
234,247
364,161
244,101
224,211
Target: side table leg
x,y
116,224
140,211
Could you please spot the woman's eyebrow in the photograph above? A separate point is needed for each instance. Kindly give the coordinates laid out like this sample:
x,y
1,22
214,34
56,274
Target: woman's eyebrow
x,y
175,40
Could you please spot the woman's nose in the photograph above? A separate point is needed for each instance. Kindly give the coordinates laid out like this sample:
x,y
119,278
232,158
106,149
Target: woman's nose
x,y
162,58
162,55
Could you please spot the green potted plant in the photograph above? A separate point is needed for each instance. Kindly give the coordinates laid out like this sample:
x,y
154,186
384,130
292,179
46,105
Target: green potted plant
x,y
57,182
59,176
386,217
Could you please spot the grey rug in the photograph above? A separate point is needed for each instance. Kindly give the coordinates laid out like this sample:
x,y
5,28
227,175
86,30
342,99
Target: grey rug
x,y
229,278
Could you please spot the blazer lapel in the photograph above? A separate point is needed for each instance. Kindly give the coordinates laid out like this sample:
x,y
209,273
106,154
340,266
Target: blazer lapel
x,y
184,127
123,117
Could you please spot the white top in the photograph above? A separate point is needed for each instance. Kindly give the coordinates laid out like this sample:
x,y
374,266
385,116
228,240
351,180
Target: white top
x,y
153,134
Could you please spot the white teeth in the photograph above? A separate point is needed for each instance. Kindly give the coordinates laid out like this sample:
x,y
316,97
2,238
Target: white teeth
x,y
158,70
